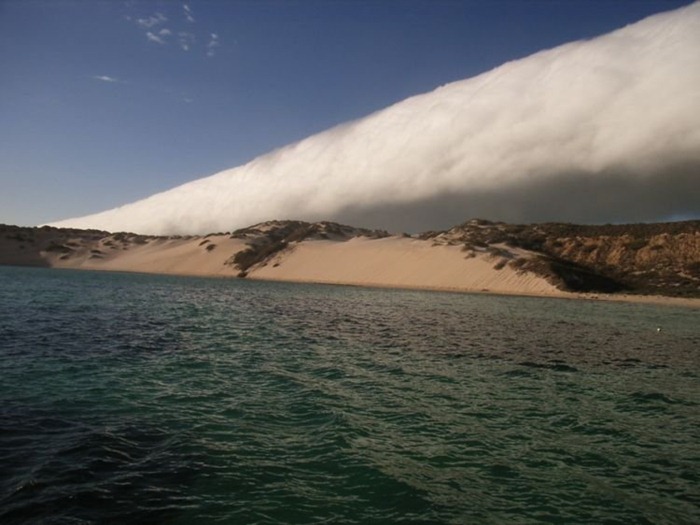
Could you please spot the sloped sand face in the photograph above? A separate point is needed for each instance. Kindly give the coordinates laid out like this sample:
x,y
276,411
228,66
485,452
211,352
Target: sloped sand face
x,y
94,250
194,256
402,263
389,262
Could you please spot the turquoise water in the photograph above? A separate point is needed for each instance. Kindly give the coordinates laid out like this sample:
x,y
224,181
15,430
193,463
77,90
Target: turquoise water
x,y
152,399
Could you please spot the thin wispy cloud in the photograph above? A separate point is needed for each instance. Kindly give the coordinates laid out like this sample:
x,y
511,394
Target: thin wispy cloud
x,y
154,38
178,32
162,91
188,13
151,21
213,44
106,78
186,40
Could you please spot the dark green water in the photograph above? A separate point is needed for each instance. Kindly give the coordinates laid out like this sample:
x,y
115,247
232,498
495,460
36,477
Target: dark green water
x,y
151,399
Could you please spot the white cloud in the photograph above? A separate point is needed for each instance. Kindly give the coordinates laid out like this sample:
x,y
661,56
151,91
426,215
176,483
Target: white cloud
x,y
605,130
213,44
186,40
165,32
154,38
188,13
106,78
158,18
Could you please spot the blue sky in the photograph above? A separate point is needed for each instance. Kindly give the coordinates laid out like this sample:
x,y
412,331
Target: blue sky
x,y
106,102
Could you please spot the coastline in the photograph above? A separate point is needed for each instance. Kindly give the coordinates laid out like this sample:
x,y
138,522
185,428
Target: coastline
x,y
658,300
346,258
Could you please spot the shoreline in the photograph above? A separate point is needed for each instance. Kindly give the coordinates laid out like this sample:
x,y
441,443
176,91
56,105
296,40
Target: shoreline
x,y
473,258
656,300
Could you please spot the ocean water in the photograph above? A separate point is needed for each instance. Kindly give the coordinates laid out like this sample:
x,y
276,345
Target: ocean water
x,y
129,398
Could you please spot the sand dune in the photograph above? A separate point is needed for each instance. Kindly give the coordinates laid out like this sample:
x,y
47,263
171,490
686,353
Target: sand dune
x,y
399,262
195,256
393,261
389,262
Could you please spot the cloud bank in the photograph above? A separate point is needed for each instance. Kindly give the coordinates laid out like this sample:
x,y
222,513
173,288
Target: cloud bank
x,y
604,130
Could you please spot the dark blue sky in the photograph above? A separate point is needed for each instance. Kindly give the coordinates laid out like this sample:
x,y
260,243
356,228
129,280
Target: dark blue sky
x,y
106,102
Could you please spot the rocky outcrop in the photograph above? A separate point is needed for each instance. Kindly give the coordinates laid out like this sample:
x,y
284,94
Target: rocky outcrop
x,y
658,258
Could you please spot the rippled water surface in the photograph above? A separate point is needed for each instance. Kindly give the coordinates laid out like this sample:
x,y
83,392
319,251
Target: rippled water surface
x,y
151,399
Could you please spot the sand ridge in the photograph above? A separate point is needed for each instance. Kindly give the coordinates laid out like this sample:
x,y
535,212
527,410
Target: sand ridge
x,y
194,256
398,262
